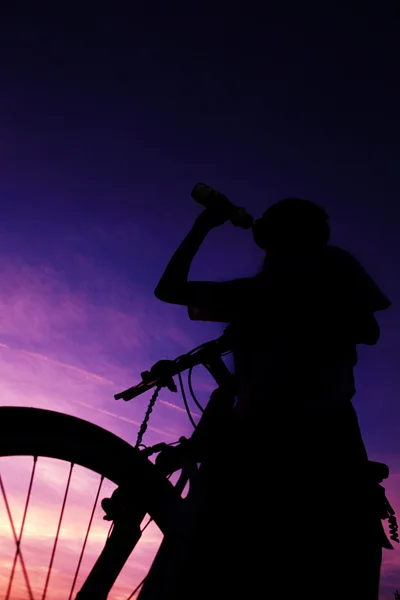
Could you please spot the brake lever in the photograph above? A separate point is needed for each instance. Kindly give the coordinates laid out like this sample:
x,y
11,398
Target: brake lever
x,y
159,375
160,370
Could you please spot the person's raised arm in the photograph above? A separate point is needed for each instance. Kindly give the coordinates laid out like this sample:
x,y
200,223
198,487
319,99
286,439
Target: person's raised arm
x,y
173,286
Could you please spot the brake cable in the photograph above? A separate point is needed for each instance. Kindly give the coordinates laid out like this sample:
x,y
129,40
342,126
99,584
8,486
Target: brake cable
x,y
153,400
171,386
197,403
186,402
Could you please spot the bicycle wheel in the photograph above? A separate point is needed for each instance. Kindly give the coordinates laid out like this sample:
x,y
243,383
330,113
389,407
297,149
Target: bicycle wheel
x,y
43,433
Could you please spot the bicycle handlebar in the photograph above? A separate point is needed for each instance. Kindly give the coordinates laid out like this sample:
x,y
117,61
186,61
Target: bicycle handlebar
x,y
162,373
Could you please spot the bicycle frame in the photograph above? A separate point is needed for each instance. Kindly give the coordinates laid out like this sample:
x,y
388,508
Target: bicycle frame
x,y
180,513
126,530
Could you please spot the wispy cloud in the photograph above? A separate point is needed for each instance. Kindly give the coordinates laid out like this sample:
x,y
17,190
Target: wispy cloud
x,y
64,348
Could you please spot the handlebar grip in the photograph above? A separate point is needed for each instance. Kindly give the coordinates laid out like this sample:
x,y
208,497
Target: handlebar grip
x,y
125,395
132,392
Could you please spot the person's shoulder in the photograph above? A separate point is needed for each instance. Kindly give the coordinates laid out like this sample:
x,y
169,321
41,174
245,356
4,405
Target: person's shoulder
x,y
355,277
343,259
339,253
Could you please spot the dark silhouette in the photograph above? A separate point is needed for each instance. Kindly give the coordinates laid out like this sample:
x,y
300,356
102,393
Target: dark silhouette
x,y
289,495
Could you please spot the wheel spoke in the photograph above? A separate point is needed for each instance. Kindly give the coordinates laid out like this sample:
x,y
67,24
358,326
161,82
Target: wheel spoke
x,y
31,432
17,543
110,530
137,588
86,538
18,549
147,524
57,534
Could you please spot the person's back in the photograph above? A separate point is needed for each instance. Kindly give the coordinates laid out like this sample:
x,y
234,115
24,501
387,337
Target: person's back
x,y
300,449
294,438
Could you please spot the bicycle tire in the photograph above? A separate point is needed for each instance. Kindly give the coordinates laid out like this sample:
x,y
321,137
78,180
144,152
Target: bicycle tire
x,y
39,432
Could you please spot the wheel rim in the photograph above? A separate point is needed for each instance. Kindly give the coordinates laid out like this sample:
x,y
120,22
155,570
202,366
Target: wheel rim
x,y
26,439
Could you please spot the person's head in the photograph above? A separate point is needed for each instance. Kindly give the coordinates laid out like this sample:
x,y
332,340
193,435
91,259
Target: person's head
x,y
292,224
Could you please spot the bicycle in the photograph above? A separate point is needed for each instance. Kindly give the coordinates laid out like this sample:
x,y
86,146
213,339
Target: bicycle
x,y
143,486
43,433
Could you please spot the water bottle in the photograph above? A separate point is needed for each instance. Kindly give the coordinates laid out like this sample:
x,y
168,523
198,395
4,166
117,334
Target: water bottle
x,y
209,198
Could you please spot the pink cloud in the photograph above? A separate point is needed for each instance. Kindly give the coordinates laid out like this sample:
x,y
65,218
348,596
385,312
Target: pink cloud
x,y
40,310
62,350
55,338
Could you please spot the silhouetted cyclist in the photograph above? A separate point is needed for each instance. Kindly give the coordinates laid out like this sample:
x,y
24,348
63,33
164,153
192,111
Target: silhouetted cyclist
x,y
293,505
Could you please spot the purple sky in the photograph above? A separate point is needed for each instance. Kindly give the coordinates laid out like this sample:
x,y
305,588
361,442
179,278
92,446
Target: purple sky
x,y
106,123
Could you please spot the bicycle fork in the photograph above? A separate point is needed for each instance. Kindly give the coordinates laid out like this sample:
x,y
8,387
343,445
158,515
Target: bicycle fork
x,y
124,536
